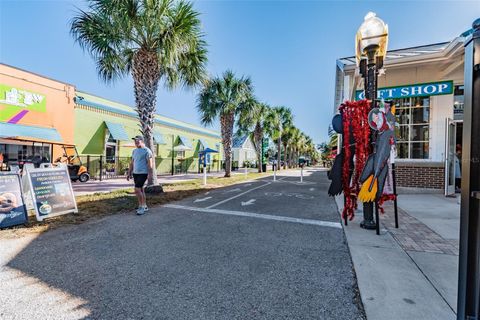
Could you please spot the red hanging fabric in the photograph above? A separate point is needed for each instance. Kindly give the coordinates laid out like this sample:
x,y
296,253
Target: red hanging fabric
x,y
355,122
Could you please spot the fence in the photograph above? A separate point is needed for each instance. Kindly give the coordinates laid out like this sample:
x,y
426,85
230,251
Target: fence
x,y
101,167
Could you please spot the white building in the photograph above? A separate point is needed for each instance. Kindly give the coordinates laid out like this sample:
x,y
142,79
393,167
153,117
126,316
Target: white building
x,y
426,85
243,150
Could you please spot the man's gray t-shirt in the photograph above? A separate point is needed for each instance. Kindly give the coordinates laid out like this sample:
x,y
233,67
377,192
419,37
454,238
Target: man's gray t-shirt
x,y
140,157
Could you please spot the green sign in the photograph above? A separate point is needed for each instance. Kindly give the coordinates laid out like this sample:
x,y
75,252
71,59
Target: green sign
x,y
414,90
16,99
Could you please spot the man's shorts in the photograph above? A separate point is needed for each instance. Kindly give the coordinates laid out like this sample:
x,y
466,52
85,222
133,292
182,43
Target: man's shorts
x,y
139,179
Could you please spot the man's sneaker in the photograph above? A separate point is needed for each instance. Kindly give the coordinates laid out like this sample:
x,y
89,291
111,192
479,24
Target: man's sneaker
x,y
140,211
145,208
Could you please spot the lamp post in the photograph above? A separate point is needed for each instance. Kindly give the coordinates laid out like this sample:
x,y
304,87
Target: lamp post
x,y
469,256
371,47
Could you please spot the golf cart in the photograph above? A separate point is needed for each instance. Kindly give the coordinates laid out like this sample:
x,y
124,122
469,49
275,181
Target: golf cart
x,y
76,170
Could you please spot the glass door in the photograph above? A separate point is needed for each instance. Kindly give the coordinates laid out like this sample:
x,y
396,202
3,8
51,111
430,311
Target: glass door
x,y
450,156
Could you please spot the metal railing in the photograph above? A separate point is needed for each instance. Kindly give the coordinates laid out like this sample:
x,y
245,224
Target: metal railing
x,y
101,167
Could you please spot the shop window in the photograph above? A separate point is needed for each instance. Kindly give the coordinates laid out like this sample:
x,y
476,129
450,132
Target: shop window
x,y
413,131
458,102
181,154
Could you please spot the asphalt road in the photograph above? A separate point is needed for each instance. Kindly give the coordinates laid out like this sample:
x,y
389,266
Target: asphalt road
x,y
259,250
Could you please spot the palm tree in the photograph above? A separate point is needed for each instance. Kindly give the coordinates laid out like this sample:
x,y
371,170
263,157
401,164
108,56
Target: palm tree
x,y
225,98
295,140
152,40
277,121
252,121
272,126
286,140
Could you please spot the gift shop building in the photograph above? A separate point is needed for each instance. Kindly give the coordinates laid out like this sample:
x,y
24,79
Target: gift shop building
x,y
426,86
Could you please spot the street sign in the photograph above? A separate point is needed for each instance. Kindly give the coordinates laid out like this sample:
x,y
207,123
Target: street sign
x,y
12,207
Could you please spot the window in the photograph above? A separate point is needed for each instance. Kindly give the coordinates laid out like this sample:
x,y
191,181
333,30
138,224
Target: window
x,y
458,101
413,117
181,154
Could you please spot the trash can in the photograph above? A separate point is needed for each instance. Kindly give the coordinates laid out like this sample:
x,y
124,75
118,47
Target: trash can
x,y
264,167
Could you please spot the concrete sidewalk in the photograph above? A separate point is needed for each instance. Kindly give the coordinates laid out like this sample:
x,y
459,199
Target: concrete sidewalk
x,y
410,272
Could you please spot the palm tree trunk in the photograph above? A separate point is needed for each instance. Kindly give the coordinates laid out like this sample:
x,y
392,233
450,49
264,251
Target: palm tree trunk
x,y
258,138
285,156
226,127
279,147
146,74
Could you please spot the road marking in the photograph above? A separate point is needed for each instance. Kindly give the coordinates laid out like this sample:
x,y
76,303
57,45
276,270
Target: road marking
x,y
233,190
312,189
238,195
289,194
249,202
201,200
301,183
259,216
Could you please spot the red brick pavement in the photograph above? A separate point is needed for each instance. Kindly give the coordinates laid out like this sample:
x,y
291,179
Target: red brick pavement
x,y
413,235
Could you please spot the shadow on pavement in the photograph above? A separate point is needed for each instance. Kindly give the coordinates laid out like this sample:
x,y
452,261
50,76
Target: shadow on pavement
x,y
171,265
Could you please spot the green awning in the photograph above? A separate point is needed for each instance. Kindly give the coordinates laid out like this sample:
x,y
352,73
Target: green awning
x,y
186,142
158,137
29,133
204,143
117,131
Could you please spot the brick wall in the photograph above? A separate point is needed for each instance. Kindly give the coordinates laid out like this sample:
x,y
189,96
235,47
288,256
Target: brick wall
x,y
420,176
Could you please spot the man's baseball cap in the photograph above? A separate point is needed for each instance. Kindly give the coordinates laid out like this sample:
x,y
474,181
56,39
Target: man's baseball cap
x,y
139,138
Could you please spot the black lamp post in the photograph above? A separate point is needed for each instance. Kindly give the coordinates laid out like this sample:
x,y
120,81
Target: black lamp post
x,y
371,47
469,258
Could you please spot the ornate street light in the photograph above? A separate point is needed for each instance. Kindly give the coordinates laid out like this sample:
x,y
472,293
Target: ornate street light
x,y
371,48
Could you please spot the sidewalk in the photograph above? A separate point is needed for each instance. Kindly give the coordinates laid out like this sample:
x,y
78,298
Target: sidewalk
x,y
410,272
108,185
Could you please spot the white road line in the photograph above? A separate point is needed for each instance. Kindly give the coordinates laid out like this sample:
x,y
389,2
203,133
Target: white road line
x,y
238,195
259,216
201,200
232,190
249,202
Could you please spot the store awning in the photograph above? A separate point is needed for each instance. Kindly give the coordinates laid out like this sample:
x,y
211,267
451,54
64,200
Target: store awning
x,y
117,131
208,150
204,143
158,137
181,147
29,133
186,142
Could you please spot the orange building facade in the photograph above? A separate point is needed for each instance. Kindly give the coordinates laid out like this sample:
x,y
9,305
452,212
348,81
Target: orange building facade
x,y
36,116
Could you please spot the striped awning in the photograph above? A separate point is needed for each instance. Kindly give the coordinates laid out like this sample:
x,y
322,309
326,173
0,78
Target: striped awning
x,y
29,133
117,131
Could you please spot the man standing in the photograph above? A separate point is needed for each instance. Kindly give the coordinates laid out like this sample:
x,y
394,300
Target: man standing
x,y
141,167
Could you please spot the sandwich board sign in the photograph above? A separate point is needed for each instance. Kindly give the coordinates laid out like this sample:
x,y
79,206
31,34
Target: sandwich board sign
x,y
12,207
50,189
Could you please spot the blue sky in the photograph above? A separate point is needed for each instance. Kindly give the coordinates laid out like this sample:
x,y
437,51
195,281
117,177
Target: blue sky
x,y
288,48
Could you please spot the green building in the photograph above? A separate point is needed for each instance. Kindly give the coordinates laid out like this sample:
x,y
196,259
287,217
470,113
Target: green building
x,y
104,130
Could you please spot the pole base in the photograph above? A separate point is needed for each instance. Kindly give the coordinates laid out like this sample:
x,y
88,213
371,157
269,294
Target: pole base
x,y
368,224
